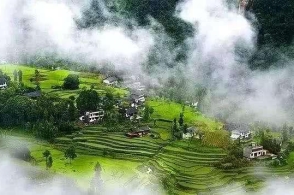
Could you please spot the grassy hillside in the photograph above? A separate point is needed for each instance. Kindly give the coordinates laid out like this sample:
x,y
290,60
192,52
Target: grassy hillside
x,y
56,77
170,110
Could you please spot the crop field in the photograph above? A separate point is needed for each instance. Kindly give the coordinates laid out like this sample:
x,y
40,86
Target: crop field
x,y
56,77
170,110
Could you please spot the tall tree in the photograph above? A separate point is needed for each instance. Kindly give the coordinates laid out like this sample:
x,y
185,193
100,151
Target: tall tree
x,y
70,153
181,119
88,100
19,76
15,74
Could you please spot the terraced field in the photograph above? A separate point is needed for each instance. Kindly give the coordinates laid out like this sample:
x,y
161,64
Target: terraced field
x,y
116,145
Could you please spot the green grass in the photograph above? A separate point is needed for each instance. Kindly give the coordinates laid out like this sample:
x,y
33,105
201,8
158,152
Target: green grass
x,y
56,77
170,110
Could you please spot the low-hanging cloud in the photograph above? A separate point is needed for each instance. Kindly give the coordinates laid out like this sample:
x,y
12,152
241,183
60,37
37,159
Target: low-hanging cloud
x,y
217,54
220,51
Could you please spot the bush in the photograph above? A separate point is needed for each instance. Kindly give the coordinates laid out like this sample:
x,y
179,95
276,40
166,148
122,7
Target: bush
x,y
67,128
71,82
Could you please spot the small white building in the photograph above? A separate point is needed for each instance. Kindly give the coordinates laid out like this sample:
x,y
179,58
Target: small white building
x,y
236,134
3,83
110,81
93,116
254,151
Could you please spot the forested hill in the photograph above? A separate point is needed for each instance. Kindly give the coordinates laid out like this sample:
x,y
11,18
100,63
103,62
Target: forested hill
x,y
273,19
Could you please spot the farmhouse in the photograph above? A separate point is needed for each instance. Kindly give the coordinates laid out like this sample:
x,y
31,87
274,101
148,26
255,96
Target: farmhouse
x,y
241,131
3,83
254,151
91,117
140,132
110,81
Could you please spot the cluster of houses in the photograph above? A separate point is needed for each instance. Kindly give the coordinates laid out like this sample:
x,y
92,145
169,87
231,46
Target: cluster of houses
x,y
135,99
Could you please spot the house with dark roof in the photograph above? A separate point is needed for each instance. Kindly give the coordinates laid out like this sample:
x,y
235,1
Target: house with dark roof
x,y
3,83
238,130
139,132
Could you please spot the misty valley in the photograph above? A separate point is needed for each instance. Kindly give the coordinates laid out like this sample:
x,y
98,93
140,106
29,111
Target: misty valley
x,y
144,97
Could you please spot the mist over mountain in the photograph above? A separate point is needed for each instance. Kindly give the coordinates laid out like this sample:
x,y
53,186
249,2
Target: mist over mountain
x,y
203,51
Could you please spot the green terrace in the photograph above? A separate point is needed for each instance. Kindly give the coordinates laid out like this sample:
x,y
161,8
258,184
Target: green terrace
x,y
51,78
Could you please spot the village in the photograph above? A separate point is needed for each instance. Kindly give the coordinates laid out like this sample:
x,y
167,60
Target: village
x,y
136,126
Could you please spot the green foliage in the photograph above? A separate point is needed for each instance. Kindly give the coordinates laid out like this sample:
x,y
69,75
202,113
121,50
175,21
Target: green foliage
x,y
88,100
147,113
70,153
45,130
181,120
108,101
19,76
17,110
49,160
71,82
275,28
270,144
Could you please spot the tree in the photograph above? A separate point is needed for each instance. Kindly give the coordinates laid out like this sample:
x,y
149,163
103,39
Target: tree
x,y
88,100
71,82
285,133
49,160
70,153
37,77
72,111
181,120
147,113
19,76
108,102
270,144
46,130
15,75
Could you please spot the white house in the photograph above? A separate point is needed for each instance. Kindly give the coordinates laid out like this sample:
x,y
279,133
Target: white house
x,y
254,151
236,134
241,131
110,81
3,83
93,116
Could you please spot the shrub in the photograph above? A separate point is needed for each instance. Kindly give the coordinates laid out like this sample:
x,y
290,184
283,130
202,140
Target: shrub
x,y
71,82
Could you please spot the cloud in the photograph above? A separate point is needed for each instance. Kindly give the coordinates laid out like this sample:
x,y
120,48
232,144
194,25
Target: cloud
x,y
220,50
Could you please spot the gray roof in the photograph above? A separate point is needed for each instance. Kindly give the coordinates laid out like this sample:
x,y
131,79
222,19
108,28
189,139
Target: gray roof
x,y
2,81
